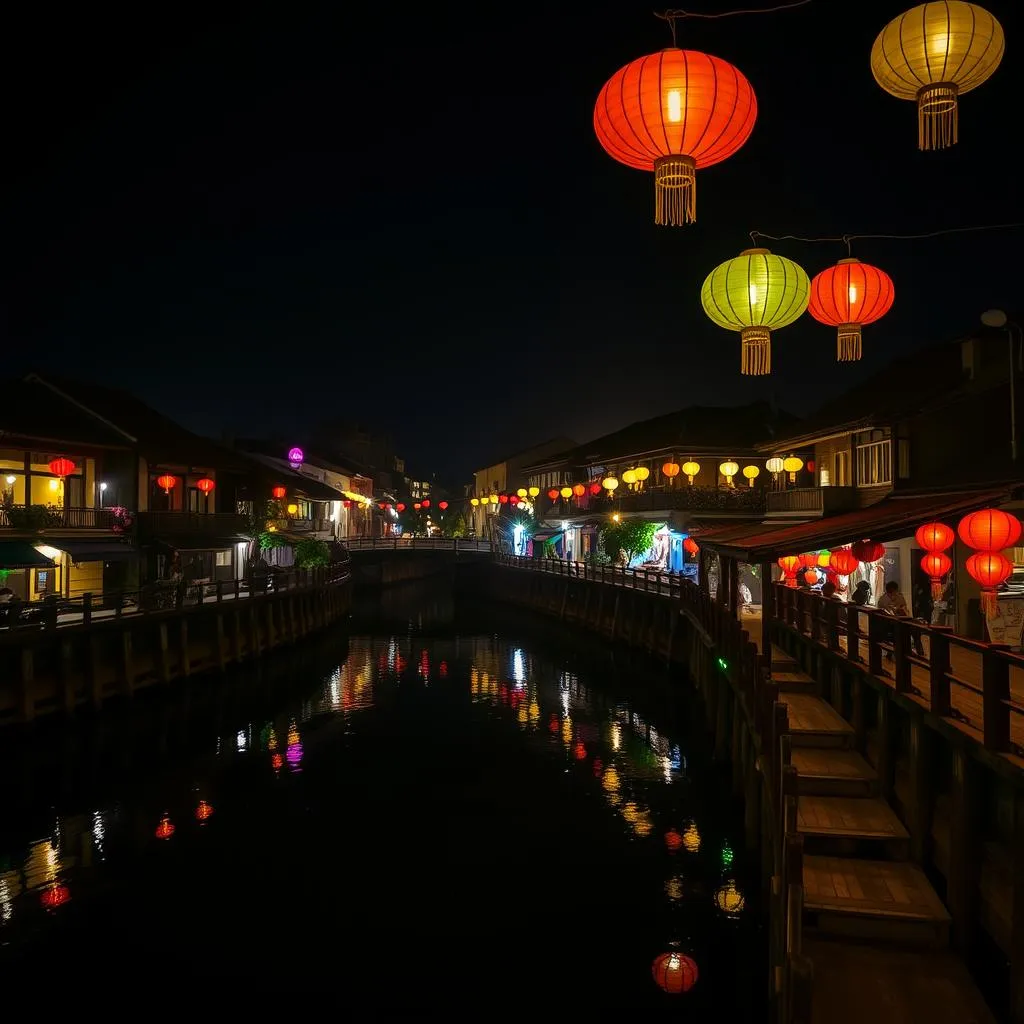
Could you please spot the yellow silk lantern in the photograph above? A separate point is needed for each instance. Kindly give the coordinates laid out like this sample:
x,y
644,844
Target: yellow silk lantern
x,y
494,499
642,473
521,492
751,473
728,470
691,469
629,477
292,509
609,483
474,501
566,492
792,466
774,465
933,54
533,492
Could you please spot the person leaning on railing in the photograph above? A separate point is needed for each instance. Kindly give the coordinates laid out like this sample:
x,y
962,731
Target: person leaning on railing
x,y
892,602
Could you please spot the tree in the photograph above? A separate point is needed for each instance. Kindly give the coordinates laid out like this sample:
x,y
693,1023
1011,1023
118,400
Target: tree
x,y
312,554
634,536
257,514
453,524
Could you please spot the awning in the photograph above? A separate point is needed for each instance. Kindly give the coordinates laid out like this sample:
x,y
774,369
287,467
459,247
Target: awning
x,y
890,519
89,551
543,535
314,490
18,554
200,543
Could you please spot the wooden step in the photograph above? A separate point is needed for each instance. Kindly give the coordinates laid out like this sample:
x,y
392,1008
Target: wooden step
x,y
794,682
833,772
876,900
851,826
813,722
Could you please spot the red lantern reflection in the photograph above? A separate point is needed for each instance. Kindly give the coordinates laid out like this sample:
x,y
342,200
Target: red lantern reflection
x,y
442,670
204,811
165,829
54,896
673,840
580,751
553,725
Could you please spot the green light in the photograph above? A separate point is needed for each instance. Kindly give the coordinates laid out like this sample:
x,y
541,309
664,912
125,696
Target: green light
x,y
723,664
727,855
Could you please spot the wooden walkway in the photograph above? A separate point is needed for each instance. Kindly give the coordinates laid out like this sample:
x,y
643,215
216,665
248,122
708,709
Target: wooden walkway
x,y
877,933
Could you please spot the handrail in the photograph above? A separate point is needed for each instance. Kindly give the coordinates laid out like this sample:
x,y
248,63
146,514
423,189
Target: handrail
x,y
977,684
17,617
654,581
406,543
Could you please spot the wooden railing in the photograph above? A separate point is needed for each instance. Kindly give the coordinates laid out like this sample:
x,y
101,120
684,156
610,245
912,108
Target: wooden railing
x,y
35,518
223,524
655,581
415,544
978,685
155,598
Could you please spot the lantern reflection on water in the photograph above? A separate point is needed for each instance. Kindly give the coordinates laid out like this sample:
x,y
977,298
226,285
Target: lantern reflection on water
x,y
691,838
610,779
675,973
165,829
203,811
54,896
673,840
729,899
674,888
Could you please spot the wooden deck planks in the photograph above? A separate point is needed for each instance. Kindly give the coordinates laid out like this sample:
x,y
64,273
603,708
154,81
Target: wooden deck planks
x,y
847,765
848,817
812,715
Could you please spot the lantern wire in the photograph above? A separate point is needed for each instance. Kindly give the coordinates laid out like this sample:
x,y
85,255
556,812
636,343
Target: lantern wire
x,y
677,14
848,239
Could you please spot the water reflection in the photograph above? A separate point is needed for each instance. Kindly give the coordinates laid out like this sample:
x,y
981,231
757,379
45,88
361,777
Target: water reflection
x,y
616,769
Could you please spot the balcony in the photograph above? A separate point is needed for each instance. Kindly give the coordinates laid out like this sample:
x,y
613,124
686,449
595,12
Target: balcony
x,y
319,528
811,502
743,501
43,518
223,525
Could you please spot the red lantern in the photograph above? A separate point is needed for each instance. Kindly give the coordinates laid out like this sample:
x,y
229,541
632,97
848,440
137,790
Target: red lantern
x,y
789,565
674,973
595,488
579,490
690,546
347,503
848,296
991,529
205,485
442,505
867,550
204,811
934,537
426,503
503,498
62,467
166,482
400,507
553,494
811,577
673,112
843,562
165,829
990,569
673,841
809,559
935,565
416,506
513,499
279,492
811,466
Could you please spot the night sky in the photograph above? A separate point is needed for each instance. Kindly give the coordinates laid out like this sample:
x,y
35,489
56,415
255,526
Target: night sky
x,y
279,214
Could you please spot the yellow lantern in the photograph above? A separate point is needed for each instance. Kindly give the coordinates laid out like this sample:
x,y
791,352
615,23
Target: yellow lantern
x,y
728,470
566,492
933,54
729,899
671,470
691,469
824,558
534,491
774,466
474,502
494,499
629,477
609,483
792,466
292,509
691,838
755,293
751,473
642,473
521,492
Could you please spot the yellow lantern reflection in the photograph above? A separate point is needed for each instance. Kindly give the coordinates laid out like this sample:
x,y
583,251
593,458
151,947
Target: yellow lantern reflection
x,y
674,888
691,469
522,716
610,779
691,838
616,735
534,712
567,730
729,899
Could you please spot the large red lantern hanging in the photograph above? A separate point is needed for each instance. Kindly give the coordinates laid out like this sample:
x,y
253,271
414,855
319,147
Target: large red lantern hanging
x,y
935,565
690,546
991,529
279,492
166,482
553,494
867,550
842,561
990,569
934,536
848,296
674,973
789,565
62,467
673,112
205,485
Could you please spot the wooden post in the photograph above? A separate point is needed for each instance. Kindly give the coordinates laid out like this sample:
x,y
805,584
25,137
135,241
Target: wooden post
x,y
87,609
734,586
884,759
995,686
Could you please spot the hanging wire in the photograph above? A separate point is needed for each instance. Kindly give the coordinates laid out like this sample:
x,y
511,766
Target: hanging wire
x,y
848,239
677,14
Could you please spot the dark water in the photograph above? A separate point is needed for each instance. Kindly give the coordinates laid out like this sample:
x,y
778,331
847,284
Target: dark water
x,y
427,818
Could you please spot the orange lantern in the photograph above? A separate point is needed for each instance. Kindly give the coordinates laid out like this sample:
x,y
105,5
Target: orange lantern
x,y
166,482
205,485
417,506
991,529
62,467
690,546
934,536
673,112
675,973
935,565
811,577
789,565
553,494
279,492
847,296
990,569
843,562
579,490
867,550
671,470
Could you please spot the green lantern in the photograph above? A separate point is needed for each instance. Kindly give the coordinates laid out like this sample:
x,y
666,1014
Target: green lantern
x,y
755,293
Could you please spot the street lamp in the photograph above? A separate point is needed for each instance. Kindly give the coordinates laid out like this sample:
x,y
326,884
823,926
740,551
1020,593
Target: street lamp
x,y
103,488
998,319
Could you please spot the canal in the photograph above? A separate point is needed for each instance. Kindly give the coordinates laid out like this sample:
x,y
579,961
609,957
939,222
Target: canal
x,y
450,807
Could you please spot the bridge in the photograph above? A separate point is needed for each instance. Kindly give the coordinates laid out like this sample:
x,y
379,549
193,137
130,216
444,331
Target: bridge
x,y
454,545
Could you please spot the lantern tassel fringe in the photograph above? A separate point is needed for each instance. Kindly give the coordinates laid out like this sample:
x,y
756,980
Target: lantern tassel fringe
x,y
675,190
756,351
989,603
848,344
937,589
938,117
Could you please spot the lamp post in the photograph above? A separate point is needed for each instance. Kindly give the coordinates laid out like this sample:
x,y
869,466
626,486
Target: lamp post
x,y
998,319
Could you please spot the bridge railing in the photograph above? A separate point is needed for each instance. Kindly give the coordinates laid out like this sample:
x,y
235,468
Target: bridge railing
x,y
416,544
980,685
654,581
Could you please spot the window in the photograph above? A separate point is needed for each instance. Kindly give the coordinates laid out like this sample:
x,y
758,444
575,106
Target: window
x,y
874,464
841,469
223,558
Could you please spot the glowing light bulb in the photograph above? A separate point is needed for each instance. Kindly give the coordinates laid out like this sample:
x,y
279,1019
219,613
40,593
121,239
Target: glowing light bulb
x,y
11,478
753,294
675,105
853,294
939,45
